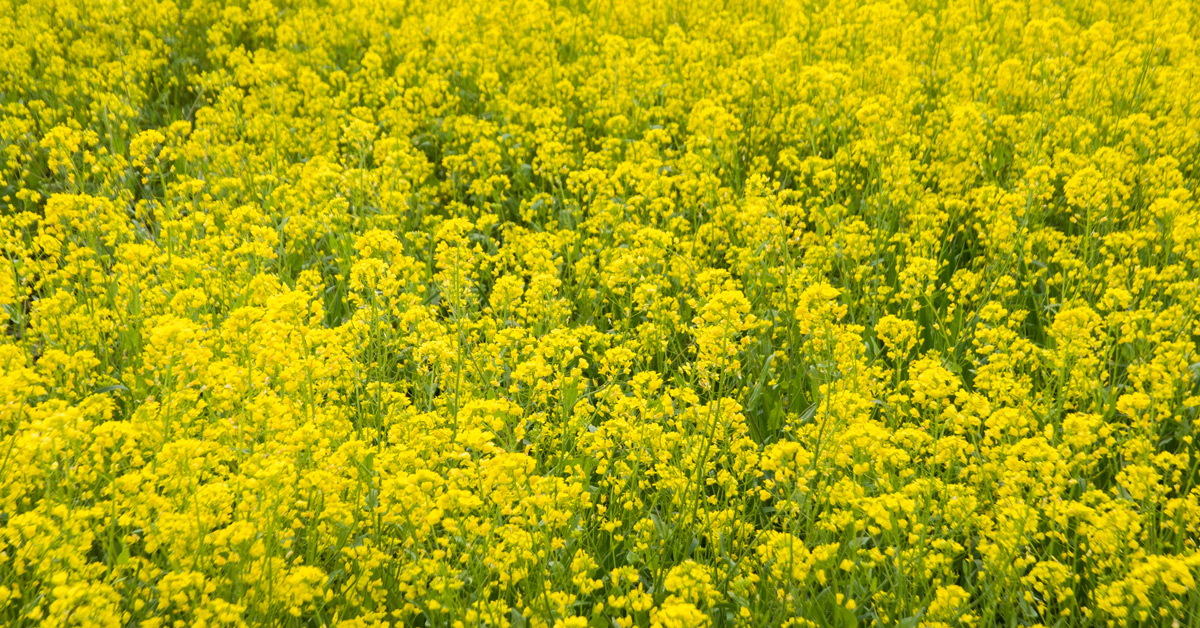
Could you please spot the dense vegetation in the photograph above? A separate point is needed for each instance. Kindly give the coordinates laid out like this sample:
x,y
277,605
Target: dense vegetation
x,y
608,313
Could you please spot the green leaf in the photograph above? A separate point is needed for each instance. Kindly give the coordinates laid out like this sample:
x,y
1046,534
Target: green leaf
x,y
112,388
846,618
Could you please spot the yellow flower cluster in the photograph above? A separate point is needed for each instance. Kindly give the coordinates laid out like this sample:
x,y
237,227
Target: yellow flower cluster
x,y
599,313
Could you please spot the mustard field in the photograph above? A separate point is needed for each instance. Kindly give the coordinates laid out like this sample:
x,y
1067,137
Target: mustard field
x,y
599,313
